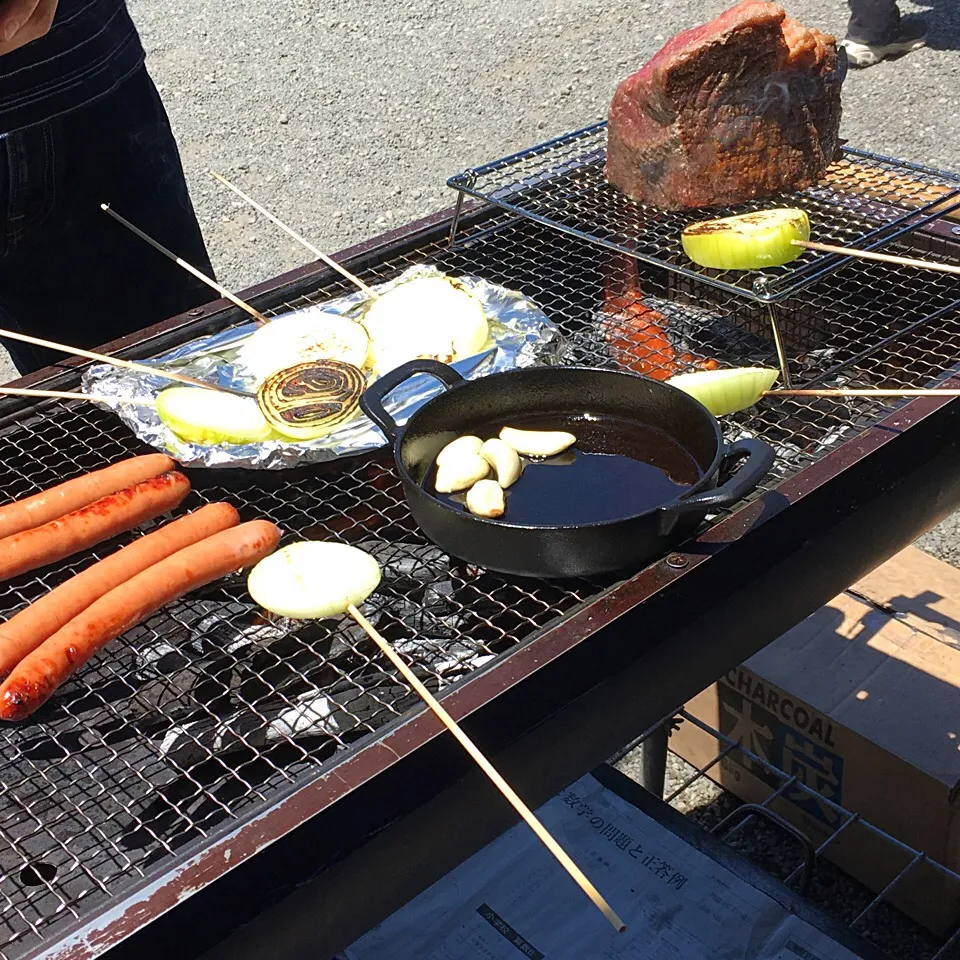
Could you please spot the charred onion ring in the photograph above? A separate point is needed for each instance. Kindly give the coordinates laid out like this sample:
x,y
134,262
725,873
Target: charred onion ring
x,y
308,400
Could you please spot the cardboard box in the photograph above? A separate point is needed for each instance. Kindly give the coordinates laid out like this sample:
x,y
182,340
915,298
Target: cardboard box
x,y
861,702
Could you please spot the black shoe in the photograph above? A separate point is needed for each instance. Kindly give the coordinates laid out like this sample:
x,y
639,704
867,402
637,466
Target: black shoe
x,y
911,35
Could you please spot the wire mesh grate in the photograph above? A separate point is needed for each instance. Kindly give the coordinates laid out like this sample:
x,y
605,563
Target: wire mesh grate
x,y
207,710
864,201
872,912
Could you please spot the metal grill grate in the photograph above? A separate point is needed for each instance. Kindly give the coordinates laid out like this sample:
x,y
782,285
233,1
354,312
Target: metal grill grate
x,y
872,915
864,201
207,711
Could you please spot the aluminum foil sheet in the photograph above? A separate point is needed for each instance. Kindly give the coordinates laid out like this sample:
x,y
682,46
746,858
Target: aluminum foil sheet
x,y
521,335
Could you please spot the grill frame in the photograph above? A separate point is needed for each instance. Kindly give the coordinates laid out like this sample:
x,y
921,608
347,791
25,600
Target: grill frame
x,y
507,700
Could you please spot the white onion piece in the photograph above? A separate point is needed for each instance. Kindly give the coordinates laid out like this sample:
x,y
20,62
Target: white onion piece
x,y
427,317
724,392
301,337
312,579
210,417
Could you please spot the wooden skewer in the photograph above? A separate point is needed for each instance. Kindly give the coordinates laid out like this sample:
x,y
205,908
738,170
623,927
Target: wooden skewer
x,y
127,364
933,392
223,291
882,257
64,395
508,792
343,271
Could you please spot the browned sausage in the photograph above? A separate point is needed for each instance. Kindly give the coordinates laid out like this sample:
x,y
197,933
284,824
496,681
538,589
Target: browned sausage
x,y
25,631
38,675
98,521
66,497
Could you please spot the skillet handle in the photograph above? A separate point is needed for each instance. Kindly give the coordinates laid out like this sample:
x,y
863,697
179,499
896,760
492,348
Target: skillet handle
x,y
760,459
371,403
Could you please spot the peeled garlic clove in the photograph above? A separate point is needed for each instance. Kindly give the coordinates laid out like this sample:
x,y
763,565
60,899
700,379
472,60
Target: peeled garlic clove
x,y
460,472
504,460
459,447
537,443
485,499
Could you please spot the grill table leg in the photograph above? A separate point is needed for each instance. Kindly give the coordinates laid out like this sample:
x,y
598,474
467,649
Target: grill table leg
x,y
653,761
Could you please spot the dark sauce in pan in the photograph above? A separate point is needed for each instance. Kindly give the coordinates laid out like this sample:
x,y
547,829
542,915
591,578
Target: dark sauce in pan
x,y
616,469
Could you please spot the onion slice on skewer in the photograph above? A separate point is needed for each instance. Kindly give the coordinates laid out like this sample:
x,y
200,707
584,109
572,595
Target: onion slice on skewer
x,y
311,580
431,317
205,417
724,392
306,335
308,400
328,584
749,241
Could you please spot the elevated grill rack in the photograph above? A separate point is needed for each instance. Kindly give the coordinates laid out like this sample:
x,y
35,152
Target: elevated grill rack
x,y
207,716
865,201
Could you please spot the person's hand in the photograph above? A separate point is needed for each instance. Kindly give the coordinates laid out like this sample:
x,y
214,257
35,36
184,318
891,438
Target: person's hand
x,y
22,21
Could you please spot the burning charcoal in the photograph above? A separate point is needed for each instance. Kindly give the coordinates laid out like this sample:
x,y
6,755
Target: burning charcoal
x,y
171,698
160,657
360,710
423,563
191,743
442,657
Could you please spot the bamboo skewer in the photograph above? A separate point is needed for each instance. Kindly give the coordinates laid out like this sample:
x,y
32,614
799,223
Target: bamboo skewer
x,y
932,392
508,792
117,362
223,291
64,395
329,261
882,257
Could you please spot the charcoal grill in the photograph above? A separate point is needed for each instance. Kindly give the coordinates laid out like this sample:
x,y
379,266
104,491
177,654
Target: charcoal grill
x,y
211,772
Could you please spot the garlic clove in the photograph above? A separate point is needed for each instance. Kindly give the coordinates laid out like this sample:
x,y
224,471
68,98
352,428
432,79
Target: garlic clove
x,y
504,460
459,472
459,447
538,443
485,499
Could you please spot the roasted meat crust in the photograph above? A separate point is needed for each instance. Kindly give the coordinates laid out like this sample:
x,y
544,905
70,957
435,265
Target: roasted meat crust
x,y
742,108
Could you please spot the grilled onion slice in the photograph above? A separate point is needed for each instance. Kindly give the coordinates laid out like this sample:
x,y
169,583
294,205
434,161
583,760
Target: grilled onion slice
x,y
313,579
724,392
434,317
310,399
311,334
209,418
747,242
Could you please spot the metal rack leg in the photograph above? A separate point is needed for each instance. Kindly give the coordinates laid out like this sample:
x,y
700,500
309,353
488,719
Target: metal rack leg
x,y
653,760
458,210
778,342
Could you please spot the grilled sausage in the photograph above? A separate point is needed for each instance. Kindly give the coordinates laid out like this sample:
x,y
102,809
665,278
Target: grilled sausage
x,y
26,630
92,524
66,497
38,675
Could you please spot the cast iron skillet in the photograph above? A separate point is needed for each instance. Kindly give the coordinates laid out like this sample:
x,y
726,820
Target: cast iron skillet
x,y
562,550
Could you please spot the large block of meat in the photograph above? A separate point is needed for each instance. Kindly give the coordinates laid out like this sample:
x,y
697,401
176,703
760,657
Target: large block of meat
x,y
742,108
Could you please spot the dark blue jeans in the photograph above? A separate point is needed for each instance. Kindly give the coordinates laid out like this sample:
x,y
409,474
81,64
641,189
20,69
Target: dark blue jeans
x,y
873,21
70,273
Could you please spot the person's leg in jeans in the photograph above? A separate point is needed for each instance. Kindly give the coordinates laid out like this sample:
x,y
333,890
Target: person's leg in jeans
x,y
875,31
70,273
